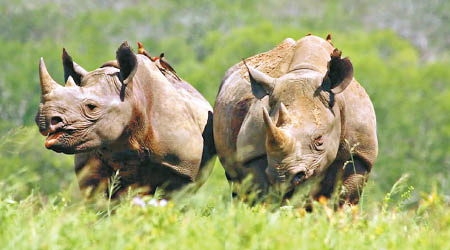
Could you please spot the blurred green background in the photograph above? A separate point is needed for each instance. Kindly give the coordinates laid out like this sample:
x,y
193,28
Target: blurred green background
x,y
400,52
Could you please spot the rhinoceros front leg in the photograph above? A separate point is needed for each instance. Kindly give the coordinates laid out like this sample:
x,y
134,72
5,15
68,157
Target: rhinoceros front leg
x,y
92,176
258,182
354,177
328,183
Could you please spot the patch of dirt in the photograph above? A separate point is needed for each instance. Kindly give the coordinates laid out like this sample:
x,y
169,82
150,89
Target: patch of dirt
x,y
274,62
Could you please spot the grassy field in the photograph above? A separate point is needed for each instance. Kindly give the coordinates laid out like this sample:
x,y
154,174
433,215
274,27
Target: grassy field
x,y
400,51
211,219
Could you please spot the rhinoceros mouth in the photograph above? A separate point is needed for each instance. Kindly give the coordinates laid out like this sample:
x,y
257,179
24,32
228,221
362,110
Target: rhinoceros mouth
x,y
52,138
58,140
68,141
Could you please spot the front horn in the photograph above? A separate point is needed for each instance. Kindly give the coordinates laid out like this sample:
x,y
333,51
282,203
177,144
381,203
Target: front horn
x,y
277,139
47,82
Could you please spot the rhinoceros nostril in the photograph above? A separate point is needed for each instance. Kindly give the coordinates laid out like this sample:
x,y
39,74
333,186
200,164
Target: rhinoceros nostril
x,y
298,178
55,120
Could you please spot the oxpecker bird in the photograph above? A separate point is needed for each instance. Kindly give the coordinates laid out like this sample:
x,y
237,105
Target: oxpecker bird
x,y
142,51
165,64
329,39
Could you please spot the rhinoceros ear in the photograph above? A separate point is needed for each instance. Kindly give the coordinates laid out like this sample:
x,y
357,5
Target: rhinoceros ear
x,y
71,68
127,62
261,83
340,73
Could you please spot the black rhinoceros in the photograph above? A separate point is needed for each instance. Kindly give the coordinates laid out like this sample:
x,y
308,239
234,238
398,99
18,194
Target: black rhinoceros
x,y
293,114
127,116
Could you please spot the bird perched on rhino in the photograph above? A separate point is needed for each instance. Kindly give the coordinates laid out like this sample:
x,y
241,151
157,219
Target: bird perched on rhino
x,y
144,52
162,61
165,64
328,38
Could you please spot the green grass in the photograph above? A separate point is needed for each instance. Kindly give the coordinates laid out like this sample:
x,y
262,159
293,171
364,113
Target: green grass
x,y
40,204
210,219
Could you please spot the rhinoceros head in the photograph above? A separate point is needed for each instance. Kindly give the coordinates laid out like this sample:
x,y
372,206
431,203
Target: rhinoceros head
x,y
303,126
91,110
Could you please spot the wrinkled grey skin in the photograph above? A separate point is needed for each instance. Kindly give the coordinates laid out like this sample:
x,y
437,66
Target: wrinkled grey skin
x,y
293,128
157,131
93,114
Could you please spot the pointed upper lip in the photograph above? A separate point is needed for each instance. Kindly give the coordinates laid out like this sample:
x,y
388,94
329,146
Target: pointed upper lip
x,y
53,138
54,134
54,131
51,129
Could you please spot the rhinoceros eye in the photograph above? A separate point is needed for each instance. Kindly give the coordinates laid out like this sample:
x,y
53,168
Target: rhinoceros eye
x,y
318,143
91,109
91,106
318,140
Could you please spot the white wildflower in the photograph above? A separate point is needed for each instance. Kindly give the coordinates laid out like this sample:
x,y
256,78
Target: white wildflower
x,y
138,201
